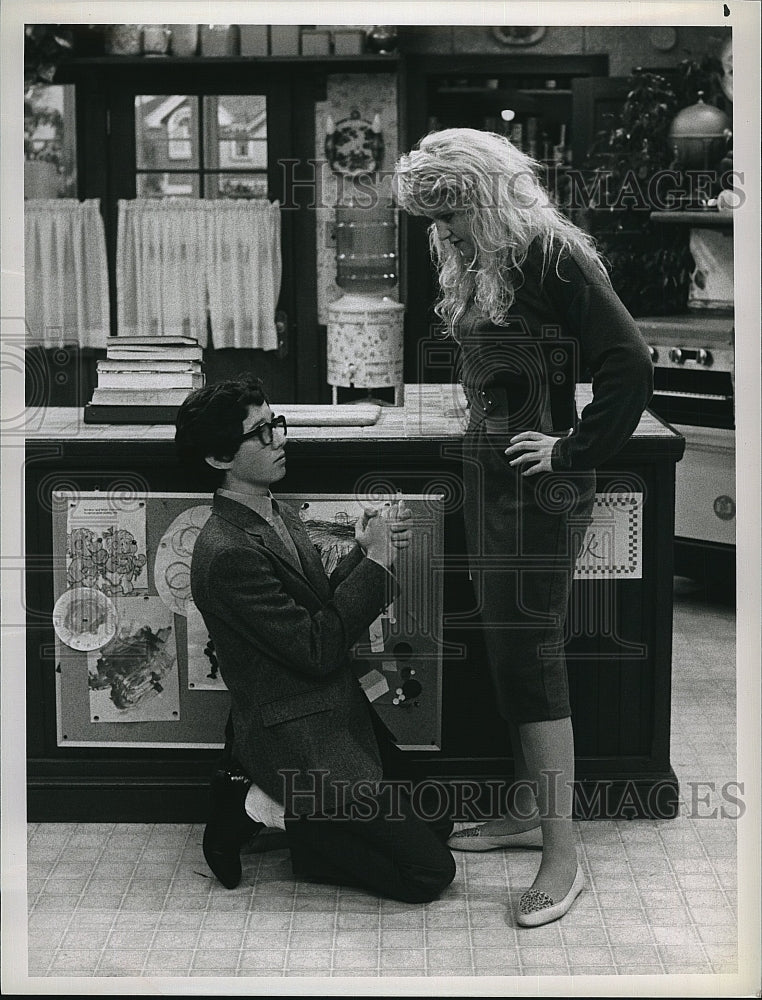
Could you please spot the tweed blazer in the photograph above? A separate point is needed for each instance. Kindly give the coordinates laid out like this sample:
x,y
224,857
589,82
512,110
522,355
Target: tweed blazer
x,y
281,634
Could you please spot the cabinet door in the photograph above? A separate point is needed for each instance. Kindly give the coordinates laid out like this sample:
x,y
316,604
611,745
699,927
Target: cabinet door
x,y
595,99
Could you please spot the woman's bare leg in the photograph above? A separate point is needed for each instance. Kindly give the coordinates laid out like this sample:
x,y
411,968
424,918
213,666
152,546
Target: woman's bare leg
x,y
549,755
524,814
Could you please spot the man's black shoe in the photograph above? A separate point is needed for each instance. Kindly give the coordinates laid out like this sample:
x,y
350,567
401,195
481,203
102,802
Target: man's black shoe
x,y
229,827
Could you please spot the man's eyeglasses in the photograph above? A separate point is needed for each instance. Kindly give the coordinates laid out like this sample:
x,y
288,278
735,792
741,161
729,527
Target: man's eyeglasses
x,y
265,430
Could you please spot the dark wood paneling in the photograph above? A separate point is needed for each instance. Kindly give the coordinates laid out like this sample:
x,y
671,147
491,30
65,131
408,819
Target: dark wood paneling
x,y
621,706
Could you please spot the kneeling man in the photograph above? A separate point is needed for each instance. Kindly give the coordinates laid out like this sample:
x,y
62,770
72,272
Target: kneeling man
x,y
303,739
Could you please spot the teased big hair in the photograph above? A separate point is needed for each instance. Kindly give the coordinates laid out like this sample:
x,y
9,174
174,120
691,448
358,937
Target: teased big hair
x,y
497,186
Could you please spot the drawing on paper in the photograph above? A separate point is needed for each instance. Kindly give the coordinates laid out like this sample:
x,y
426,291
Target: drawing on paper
x,y
84,618
171,570
106,545
134,676
203,667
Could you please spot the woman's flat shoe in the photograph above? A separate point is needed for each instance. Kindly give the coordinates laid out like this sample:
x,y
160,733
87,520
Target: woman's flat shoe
x,y
537,907
475,839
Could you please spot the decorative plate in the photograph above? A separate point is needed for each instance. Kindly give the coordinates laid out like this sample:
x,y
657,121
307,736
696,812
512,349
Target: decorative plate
x,y
518,34
354,147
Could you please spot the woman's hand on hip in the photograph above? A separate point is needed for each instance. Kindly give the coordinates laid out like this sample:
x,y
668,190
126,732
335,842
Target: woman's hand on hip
x,y
533,449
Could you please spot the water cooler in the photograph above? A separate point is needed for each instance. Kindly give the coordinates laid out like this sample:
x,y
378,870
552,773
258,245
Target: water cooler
x,y
365,326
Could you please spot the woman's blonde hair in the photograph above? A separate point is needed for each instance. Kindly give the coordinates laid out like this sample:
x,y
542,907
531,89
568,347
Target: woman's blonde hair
x,y
497,186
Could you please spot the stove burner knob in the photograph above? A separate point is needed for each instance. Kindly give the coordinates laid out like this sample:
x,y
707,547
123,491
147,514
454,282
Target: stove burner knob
x,y
654,354
703,357
676,355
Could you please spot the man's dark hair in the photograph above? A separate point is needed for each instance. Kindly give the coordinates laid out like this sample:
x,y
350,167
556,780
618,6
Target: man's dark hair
x,y
210,420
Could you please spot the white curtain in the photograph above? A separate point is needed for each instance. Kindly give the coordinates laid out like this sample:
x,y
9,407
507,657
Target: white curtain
x,y
160,273
178,260
66,279
243,272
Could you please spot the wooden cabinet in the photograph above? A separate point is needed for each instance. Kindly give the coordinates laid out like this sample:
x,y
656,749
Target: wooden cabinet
x,y
619,644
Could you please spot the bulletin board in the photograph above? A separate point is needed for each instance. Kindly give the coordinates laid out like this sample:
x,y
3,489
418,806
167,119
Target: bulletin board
x,y
134,663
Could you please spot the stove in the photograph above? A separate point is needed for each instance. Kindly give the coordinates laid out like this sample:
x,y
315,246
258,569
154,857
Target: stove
x,y
694,381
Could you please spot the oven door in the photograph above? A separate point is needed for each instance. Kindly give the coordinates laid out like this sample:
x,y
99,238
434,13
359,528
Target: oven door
x,y
705,480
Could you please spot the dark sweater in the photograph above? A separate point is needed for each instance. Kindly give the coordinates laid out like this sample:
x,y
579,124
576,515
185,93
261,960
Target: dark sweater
x,y
565,324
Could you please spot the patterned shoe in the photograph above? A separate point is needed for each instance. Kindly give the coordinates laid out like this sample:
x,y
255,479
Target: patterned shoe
x,y
537,907
474,839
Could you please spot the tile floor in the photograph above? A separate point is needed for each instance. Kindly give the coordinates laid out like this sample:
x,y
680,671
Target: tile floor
x,y
121,899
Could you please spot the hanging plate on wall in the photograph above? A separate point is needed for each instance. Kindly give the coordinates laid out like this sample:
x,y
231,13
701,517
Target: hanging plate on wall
x,y
355,146
518,34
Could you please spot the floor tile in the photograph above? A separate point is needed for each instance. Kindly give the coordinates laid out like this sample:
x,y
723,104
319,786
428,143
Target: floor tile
x,y
367,959
261,963
319,960
120,963
447,937
594,970
674,935
74,963
495,961
265,940
120,899
408,958
447,961
588,955
84,938
640,970
683,954
572,934
546,969
631,954
451,918
539,956
215,962
168,962
411,937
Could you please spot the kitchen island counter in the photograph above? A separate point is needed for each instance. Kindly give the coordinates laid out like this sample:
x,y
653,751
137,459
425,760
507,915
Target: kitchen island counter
x,y
619,630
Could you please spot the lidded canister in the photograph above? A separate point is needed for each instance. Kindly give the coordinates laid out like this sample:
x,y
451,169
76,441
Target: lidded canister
x,y
365,342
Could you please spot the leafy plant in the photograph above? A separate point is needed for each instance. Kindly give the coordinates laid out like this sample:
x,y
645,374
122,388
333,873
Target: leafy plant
x,y
45,46
650,265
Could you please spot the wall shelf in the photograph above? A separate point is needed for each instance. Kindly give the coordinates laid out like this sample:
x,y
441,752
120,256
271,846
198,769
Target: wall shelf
x,y
361,63
486,91
699,217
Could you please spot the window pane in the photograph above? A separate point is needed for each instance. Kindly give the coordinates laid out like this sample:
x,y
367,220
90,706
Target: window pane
x,y
49,142
167,186
166,131
235,132
236,185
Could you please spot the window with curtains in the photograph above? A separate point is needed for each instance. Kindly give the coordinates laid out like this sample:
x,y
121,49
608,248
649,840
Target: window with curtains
x,y
198,248
190,162
201,222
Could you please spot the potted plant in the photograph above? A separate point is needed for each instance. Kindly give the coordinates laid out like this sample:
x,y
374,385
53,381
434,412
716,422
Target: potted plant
x,y
650,265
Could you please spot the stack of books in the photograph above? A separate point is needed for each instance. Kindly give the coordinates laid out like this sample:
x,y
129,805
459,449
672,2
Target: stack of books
x,y
145,379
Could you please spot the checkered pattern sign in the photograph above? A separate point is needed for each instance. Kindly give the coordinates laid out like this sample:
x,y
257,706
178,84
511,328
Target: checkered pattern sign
x,y
613,544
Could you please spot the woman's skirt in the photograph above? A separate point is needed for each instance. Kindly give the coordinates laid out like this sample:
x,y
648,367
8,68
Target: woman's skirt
x,y
524,534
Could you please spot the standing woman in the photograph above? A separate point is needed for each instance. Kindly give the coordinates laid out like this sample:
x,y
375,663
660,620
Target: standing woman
x,y
525,295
